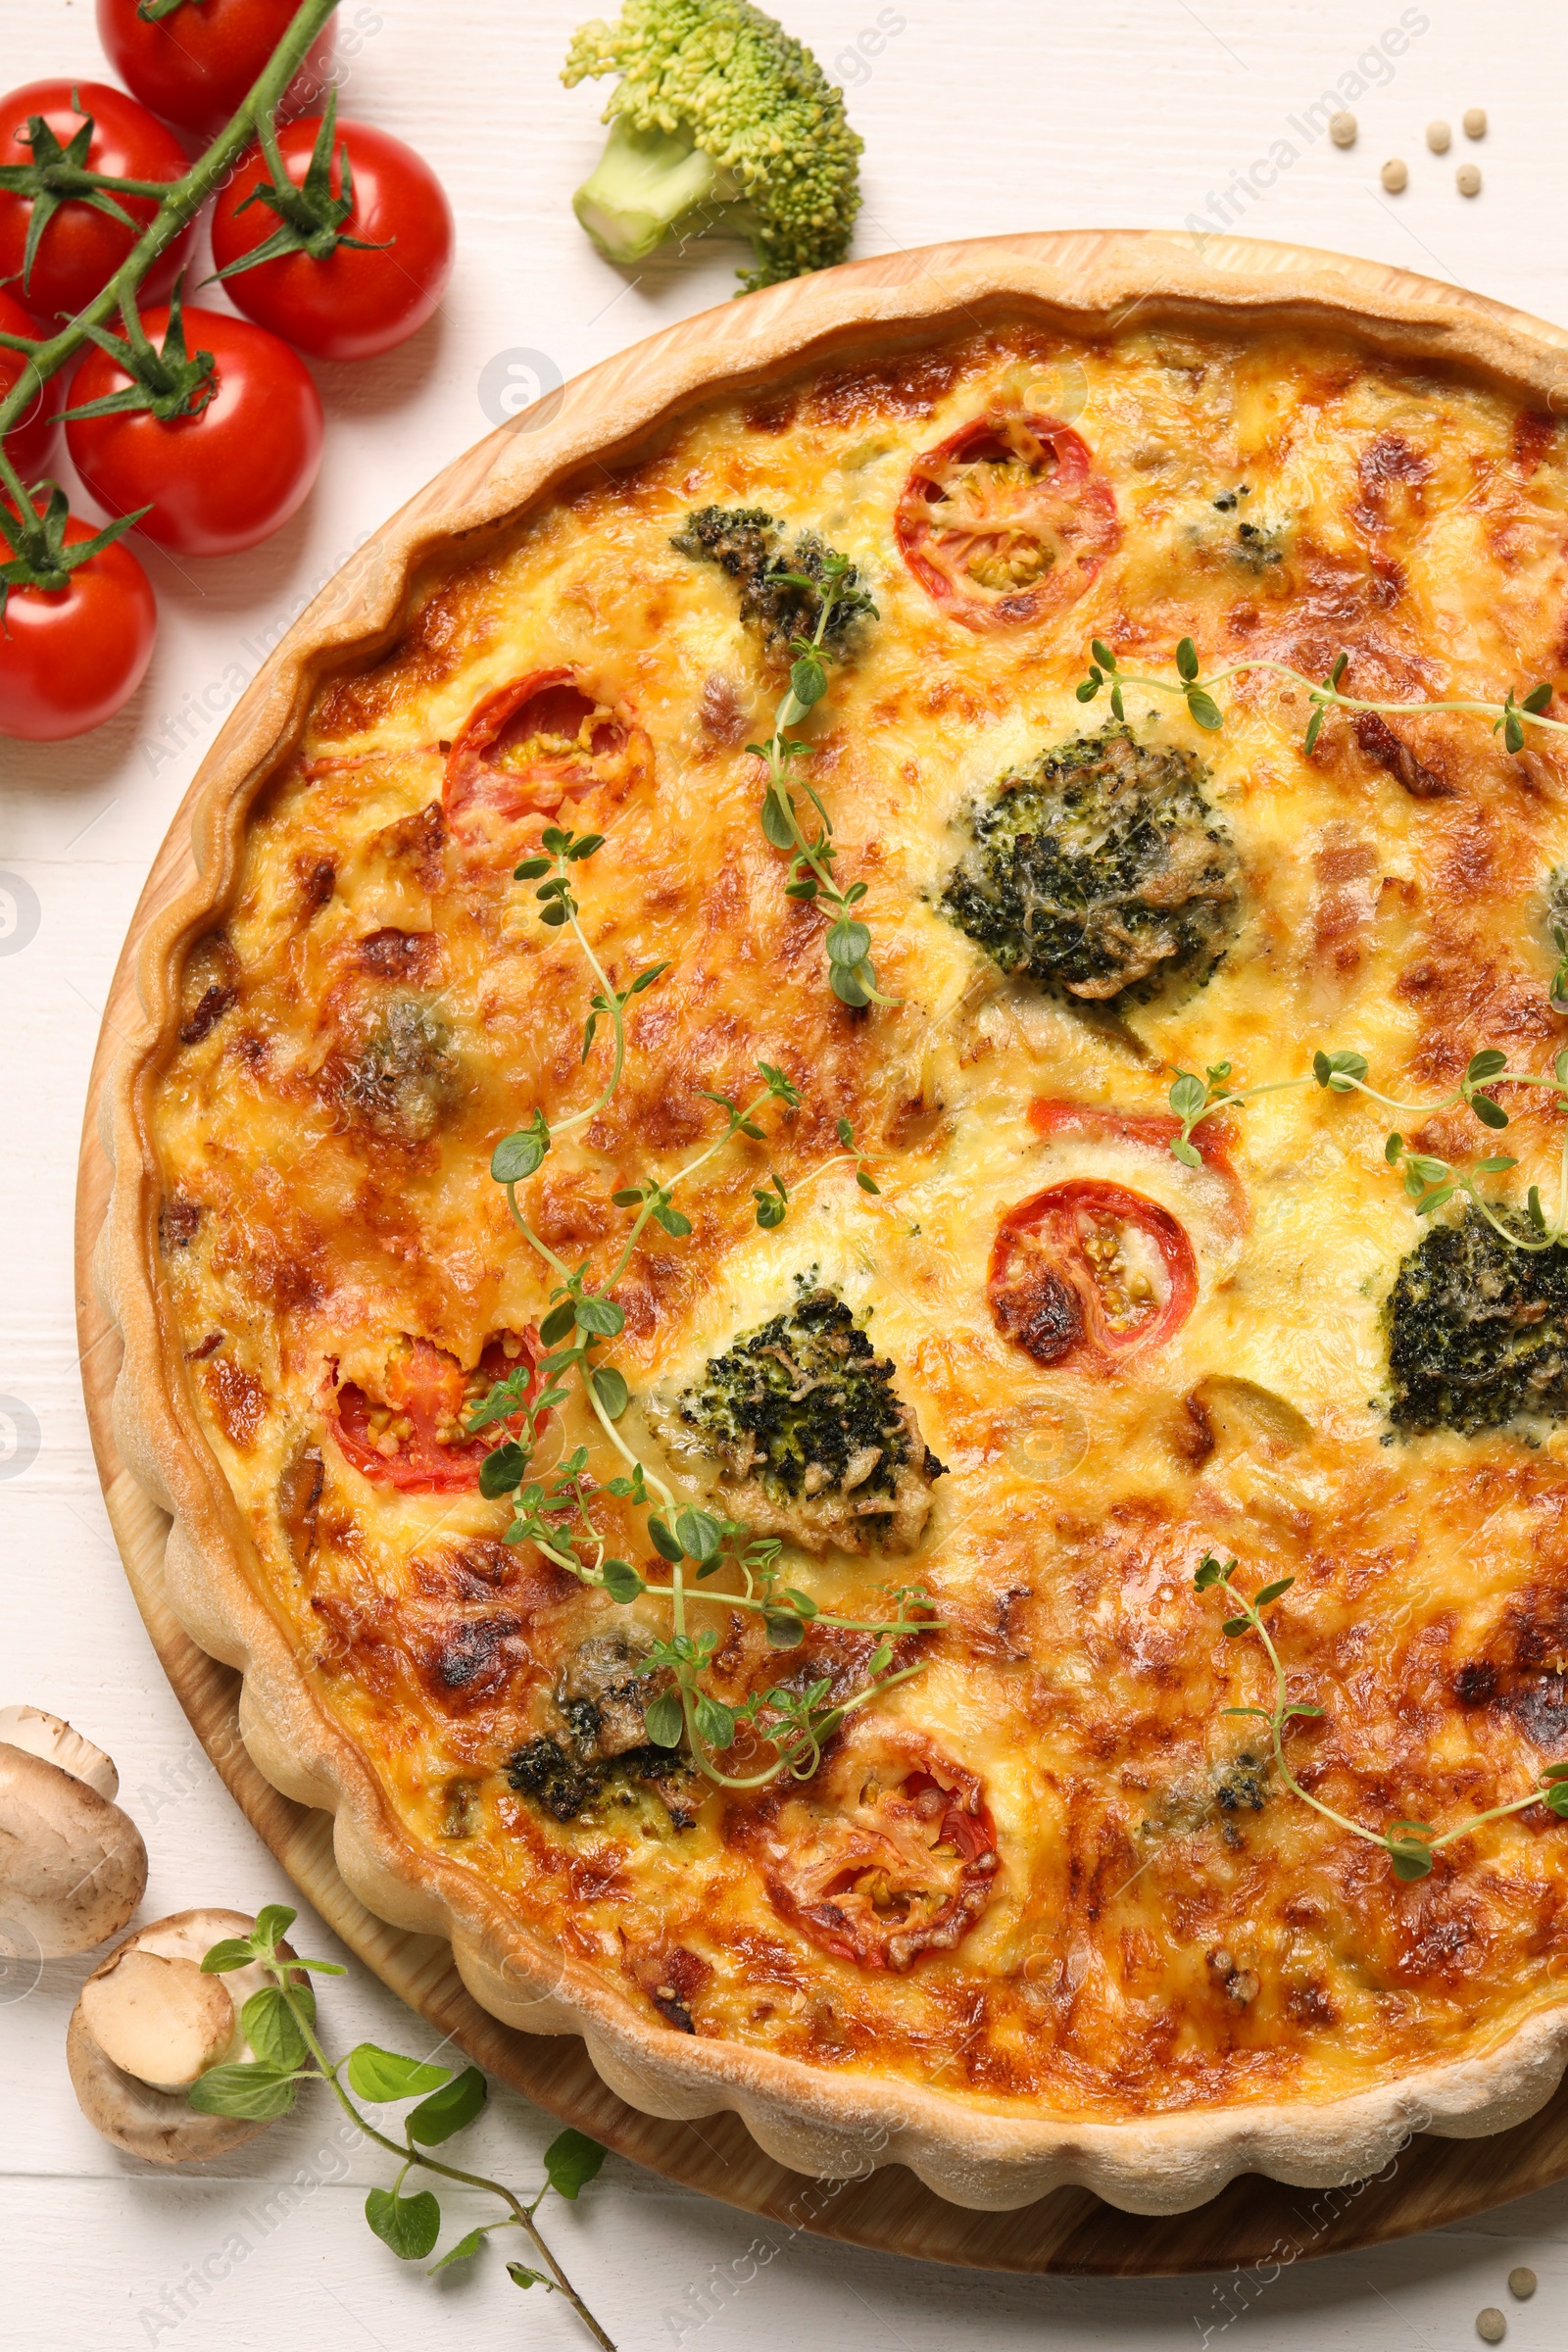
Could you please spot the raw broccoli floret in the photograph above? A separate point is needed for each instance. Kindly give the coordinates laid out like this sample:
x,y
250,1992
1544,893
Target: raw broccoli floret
x,y
719,118
1102,870
749,546
1477,1330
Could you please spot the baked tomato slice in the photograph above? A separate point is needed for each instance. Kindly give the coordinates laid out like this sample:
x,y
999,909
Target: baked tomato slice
x,y
411,1432
531,744
1083,1273
1007,521
886,1853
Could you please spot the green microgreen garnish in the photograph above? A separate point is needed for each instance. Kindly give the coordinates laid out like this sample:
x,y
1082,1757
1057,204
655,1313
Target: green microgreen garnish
x,y
1429,1182
282,2027
852,974
1509,717
1409,1844
556,1513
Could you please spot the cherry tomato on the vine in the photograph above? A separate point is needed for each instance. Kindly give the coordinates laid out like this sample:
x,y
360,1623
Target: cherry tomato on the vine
x,y
70,655
195,66
82,246
219,479
27,444
355,301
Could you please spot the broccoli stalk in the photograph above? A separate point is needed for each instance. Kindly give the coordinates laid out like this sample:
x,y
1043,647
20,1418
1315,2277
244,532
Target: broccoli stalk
x,y
719,118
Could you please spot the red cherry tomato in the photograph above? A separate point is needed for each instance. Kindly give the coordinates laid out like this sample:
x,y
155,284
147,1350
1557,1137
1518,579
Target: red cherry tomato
x,y
888,1852
194,66
27,444
81,248
1006,521
531,744
1050,1115
69,656
355,303
217,481
410,1437
1086,1272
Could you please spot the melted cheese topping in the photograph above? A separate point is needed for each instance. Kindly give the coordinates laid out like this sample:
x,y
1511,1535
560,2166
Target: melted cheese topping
x,y
1167,1925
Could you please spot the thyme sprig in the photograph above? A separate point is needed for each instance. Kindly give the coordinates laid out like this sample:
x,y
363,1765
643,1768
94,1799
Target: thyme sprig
x,y
556,1512
852,974
1410,1845
1429,1182
279,2022
1509,717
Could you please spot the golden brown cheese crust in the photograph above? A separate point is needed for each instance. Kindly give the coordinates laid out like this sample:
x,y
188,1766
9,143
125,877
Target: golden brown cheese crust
x,y
1160,1924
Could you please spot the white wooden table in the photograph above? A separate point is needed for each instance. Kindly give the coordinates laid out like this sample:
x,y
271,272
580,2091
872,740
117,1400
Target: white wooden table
x,y
978,115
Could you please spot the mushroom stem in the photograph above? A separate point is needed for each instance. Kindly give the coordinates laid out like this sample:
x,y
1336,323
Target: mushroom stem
x,y
159,2017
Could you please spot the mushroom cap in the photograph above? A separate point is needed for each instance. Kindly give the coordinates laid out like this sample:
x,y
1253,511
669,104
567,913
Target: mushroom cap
x,y
40,1734
73,1867
160,2123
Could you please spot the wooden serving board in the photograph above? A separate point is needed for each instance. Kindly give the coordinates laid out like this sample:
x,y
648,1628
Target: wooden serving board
x,y
1253,2221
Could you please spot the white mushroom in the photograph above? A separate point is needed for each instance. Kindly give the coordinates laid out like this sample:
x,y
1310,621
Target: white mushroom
x,y
73,1866
147,2023
40,1734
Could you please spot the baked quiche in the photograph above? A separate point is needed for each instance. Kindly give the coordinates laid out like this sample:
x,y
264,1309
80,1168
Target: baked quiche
x,y
860,1203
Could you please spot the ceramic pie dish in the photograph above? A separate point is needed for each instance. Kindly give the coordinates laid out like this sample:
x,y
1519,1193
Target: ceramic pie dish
x,y
1019,1903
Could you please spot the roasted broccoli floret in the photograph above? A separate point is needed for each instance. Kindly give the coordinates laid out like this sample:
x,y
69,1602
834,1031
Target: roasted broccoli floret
x,y
815,1442
750,545
557,1776
721,119
1102,870
1477,1330
405,1076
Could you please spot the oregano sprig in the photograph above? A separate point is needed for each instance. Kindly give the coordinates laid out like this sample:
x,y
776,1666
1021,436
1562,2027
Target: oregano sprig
x,y
556,1512
1410,1845
280,2024
1509,718
852,974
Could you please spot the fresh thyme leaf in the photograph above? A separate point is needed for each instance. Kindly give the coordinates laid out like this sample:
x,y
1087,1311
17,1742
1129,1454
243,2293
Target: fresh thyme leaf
x,y
664,1541
1205,709
611,1388
558,1322
622,1581
1188,1154
1272,1592
1490,1114
1188,1097
663,1720
698,1533
1233,1625
502,1470
1187,660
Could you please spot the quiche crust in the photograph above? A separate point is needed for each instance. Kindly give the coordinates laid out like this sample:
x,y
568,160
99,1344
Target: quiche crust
x,y
855,2100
